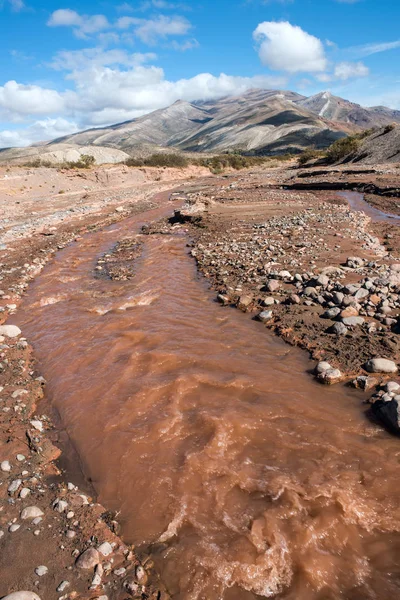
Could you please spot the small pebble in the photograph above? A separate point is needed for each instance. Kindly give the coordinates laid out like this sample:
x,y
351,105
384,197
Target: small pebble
x,y
42,570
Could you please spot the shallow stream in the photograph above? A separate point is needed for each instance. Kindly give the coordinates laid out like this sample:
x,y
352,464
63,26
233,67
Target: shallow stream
x,y
228,463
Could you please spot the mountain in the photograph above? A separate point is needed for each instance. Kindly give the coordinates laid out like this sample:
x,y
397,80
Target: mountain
x,y
257,122
331,107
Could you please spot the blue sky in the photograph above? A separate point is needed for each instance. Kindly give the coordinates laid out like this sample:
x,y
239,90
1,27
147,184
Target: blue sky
x,y
72,65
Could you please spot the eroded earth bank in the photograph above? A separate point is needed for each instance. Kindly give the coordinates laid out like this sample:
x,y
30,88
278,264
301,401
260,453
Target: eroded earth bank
x,y
222,467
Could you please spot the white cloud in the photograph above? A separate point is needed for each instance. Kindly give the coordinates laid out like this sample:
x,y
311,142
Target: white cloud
x,y
104,95
18,100
348,70
84,25
72,60
150,31
40,130
17,5
369,49
286,47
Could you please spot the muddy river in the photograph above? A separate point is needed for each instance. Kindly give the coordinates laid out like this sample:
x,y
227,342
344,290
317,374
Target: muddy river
x,y
240,475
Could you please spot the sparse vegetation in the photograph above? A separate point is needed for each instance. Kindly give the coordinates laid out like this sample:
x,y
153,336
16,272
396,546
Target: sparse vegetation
x,y
389,128
216,164
343,147
85,162
310,154
159,160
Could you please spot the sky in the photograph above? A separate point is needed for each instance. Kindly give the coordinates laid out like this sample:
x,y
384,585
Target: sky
x,y
73,65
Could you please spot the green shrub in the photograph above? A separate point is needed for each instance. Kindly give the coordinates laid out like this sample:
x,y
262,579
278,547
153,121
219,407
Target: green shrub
x,y
342,148
159,160
310,154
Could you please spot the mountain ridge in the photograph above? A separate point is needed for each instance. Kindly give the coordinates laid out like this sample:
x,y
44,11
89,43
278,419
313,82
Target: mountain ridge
x,y
256,122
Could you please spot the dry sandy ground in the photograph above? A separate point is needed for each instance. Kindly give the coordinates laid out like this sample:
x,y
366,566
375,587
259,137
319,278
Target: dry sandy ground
x,y
251,231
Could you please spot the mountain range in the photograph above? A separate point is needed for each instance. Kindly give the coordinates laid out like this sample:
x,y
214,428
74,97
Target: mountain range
x,y
256,122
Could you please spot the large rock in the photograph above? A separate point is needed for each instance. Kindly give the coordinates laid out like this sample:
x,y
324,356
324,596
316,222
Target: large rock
x,y
388,413
380,365
265,316
88,559
31,512
21,596
353,321
10,331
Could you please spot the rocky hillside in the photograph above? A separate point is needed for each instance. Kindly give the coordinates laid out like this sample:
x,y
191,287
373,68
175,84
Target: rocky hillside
x,y
257,122
383,146
331,107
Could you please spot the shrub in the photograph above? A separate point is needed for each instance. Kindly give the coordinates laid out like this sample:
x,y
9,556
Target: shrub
x,y
159,160
310,154
342,148
389,128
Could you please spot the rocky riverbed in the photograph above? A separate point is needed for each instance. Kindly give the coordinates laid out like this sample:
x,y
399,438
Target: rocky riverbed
x,y
318,274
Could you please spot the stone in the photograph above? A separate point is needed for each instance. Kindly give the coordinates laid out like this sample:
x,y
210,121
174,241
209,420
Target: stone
x,y
11,331
323,280
14,485
365,383
387,413
63,586
268,301
339,329
5,466
273,285
88,559
31,512
350,311
14,527
265,316
380,365
60,505
361,294
353,321
354,262
322,367
38,425
374,299
330,376
331,313
244,302
105,549
391,386
21,596
338,298
141,575
222,299
42,570
310,292
24,493
21,458
294,299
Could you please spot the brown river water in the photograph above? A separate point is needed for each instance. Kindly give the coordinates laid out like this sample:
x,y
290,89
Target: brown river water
x,y
239,474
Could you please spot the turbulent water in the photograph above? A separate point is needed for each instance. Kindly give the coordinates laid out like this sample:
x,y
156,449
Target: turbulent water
x,y
240,474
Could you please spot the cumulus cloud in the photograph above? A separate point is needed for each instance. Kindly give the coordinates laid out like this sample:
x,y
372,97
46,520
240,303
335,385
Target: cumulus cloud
x,y
287,47
103,95
84,25
18,100
348,70
38,131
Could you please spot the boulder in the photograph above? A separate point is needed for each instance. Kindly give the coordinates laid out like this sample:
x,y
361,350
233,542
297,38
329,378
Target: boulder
x,y
339,329
272,285
322,366
88,559
387,412
353,321
330,376
265,316
10,331
21,596
380,365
